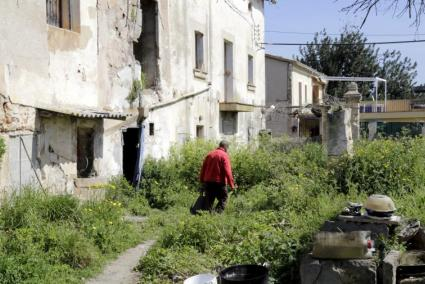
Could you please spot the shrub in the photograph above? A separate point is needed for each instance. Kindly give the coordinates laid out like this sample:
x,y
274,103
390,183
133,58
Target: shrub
x,y
384,166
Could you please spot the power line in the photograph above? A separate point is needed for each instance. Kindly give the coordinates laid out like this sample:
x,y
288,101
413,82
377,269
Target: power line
x,y
336,34
347,44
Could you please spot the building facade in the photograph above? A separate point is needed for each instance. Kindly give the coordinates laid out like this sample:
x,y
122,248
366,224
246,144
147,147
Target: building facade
x,y
292,88
203,71
73,73
66,67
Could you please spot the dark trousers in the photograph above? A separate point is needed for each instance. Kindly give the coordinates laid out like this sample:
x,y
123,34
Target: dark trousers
x,y
215,190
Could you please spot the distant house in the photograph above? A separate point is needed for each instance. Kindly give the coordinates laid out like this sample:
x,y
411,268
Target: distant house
x,y
291,89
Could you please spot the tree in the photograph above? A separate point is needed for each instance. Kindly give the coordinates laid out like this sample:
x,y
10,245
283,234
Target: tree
x,y
415,8
352,59
399,72
349,55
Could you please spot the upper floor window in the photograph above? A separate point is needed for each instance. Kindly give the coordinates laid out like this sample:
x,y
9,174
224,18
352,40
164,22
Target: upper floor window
x,y
199,51
64,14
250,70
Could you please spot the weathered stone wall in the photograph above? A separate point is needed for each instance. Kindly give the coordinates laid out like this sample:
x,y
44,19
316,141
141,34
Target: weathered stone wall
x,y
49,67
178,20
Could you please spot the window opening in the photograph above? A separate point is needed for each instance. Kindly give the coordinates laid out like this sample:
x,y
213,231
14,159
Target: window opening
x,y
300,93
200,131
229,122
228,70
64,14
199,51
146,49
151,129
250,70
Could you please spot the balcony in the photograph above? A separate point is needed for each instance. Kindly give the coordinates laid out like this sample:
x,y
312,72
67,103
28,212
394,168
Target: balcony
x,y
236,106
393,110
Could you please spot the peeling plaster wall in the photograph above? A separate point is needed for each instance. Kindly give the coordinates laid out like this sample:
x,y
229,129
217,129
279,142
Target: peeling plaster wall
x,y
46,66
178,21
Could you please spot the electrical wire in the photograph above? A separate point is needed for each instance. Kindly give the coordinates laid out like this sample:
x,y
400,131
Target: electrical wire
x,y
337,34
344,44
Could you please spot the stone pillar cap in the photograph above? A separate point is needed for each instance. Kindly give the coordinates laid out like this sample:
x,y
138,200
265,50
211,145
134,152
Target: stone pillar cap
x,y
353,91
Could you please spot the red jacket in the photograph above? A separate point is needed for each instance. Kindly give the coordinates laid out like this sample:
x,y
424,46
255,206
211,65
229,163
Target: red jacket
x,y
217,168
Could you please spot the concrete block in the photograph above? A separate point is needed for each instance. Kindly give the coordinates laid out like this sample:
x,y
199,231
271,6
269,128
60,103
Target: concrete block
x,y
389,267
341,226
315,271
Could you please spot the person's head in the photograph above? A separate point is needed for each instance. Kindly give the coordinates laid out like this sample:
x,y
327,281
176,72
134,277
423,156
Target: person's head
x,y
224,144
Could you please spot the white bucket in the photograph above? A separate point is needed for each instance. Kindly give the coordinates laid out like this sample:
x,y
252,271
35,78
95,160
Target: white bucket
x,y
201,279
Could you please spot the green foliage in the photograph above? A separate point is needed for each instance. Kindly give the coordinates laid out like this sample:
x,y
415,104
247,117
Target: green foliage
x,y
55,239
384,166
2,147
136,87
348,55
288,191
399,72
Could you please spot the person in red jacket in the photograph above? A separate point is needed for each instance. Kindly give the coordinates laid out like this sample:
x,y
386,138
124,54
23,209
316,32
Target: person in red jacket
x,y
216,174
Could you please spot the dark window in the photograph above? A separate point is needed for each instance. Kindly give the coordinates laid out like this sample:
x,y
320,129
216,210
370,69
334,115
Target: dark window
x,y
64,14
151,129
200,131
250,70
199,51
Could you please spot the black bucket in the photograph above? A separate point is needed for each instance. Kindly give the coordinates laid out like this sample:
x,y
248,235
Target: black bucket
x,y
248,274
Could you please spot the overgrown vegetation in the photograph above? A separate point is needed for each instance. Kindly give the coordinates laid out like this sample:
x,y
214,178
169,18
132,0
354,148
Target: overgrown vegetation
x,y
286,193
56,239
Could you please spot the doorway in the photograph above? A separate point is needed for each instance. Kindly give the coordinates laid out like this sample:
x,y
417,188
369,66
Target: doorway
x,y
131,143
85,152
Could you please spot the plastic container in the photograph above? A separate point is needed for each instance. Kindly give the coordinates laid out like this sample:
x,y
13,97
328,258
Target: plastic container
x,y
248,274
201,279
350,245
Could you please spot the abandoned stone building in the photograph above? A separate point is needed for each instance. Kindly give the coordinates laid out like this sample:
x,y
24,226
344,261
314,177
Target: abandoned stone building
x,y
203,67
69,72
66,67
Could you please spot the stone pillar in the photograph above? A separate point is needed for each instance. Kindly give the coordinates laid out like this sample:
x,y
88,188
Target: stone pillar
x,y
423,129
324,123
373,128
340,139
352,98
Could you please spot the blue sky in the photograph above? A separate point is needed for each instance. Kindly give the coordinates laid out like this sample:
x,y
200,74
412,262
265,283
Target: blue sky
x,y
309,16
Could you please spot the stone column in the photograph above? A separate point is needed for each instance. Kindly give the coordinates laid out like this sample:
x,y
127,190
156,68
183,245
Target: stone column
x,y
324,123
373,128
340,139
352,98
423,129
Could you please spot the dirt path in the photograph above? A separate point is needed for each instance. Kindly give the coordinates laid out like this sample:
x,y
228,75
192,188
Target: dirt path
x,y
120,271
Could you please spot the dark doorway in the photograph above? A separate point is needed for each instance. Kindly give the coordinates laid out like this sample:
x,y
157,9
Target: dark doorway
x,y
85,152
131,141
